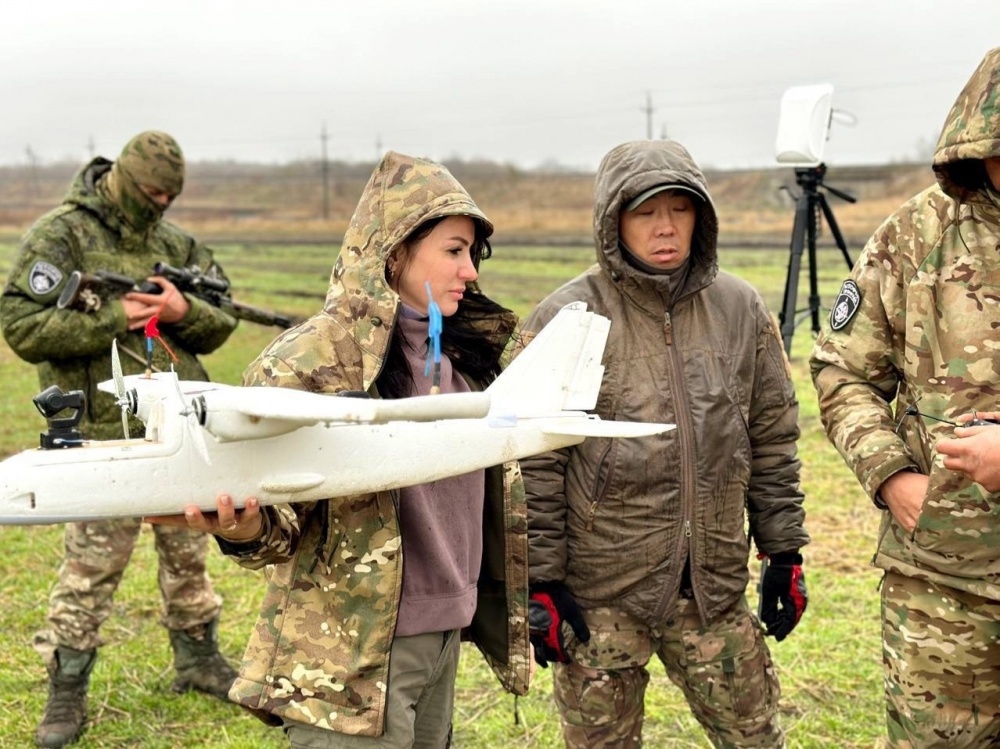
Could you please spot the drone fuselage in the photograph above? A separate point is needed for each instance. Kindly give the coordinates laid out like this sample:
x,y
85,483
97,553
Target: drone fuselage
x,y
284,445
123,478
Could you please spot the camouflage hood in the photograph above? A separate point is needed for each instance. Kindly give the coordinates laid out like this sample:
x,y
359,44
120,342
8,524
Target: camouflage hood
x,y
633,168
402,193
83,193
971,133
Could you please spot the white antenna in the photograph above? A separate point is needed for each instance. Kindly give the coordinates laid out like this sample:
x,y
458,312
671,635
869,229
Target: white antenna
x,y
804,125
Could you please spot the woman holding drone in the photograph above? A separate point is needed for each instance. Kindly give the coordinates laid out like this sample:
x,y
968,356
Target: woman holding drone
x,y
350,650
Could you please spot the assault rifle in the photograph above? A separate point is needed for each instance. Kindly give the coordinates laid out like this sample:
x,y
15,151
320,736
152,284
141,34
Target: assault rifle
x,y
87,291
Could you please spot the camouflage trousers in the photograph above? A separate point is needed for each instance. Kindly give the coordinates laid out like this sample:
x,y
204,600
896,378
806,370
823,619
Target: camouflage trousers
x,y
96,555
724,670
941,658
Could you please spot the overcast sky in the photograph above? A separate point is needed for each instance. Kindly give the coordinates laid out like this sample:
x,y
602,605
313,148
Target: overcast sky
x,y
510,80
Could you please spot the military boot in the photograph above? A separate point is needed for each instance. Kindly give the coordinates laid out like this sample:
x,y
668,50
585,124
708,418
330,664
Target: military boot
x,y
66,709
198,661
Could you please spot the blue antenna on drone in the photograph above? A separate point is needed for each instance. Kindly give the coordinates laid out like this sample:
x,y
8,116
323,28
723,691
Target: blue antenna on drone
x,y
434,349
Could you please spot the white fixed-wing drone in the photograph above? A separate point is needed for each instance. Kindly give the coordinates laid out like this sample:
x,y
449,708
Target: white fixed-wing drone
x,y
283,445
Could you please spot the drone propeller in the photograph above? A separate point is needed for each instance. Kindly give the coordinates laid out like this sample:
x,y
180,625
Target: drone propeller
x,y
127,400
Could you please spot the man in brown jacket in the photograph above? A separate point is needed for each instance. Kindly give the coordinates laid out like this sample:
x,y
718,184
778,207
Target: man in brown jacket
x,y
639,546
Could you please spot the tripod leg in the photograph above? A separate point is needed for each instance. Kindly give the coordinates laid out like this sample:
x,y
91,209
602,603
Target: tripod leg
x,y
814,303
787,316
834,229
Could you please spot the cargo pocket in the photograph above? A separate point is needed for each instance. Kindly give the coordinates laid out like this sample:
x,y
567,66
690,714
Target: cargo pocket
x,y
591,698
729,673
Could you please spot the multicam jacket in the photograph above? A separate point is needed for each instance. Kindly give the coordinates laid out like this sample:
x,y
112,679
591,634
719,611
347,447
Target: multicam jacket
x,y
616,520
73,348
918,325
319,651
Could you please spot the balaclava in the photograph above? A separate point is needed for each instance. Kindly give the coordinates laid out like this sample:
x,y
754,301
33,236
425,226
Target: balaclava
x,y
152,159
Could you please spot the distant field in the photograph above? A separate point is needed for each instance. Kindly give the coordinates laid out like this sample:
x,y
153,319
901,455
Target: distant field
x,y
286,202
830,668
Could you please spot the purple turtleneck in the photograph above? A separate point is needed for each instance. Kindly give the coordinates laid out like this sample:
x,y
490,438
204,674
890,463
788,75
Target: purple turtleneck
x,y
441,522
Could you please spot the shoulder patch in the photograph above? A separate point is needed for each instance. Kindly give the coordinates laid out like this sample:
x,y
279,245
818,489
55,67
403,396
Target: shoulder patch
x,y
845,306
44,277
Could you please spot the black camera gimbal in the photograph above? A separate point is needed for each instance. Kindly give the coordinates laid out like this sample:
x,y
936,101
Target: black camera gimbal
x,y
63,431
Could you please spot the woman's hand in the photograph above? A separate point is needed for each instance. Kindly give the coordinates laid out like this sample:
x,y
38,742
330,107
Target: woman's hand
x,y
226,522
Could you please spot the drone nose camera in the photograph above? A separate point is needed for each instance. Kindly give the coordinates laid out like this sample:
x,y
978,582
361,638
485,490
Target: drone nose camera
x,y
63,431
52,400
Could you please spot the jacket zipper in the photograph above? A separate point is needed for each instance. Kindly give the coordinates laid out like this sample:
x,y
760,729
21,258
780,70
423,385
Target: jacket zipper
x,y
687,483
598,490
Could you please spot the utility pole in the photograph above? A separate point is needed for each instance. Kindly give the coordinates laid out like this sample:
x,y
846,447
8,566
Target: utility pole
x,y
32,170
663,132
326,175
90,146
648,109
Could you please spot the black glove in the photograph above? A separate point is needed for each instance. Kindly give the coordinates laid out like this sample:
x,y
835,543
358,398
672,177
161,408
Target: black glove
x,y
549,605
783,595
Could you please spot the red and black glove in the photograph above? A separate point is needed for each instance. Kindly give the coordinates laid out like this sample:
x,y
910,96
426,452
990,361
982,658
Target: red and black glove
x,y
783,595
549,605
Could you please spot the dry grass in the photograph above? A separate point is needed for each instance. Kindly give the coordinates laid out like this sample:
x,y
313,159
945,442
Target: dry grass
x,y
285,203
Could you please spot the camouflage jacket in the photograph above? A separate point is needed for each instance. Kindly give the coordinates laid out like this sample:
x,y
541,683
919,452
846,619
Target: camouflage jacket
x,y
916,324
709,360
319,651
73,348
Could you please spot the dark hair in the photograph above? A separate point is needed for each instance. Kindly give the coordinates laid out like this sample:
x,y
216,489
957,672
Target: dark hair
x,y
480,250
968,174
464,337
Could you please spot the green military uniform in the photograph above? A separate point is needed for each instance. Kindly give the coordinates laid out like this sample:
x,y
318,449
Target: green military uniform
x,y
916,325
107,223
319,653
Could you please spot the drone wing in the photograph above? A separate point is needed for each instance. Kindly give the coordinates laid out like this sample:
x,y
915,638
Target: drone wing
x,y
157,382
239,413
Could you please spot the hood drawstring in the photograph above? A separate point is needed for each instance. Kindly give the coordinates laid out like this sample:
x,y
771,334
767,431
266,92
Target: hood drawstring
x,y
322,542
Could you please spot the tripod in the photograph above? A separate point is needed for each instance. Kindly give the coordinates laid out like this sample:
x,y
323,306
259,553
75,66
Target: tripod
x,y
808,204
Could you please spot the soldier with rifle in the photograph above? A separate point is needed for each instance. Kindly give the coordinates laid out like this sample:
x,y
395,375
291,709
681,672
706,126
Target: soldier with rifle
x,y
111,221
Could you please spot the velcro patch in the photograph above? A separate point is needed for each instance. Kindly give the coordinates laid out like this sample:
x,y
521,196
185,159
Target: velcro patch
x,y
845,306
44,277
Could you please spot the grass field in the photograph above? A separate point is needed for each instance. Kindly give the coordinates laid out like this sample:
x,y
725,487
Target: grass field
x,y
830,668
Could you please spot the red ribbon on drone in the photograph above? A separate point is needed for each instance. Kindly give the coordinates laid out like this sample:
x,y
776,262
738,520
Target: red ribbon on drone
x,y
153,332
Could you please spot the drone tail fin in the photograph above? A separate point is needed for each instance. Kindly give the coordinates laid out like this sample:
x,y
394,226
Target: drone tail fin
x,y
559,370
